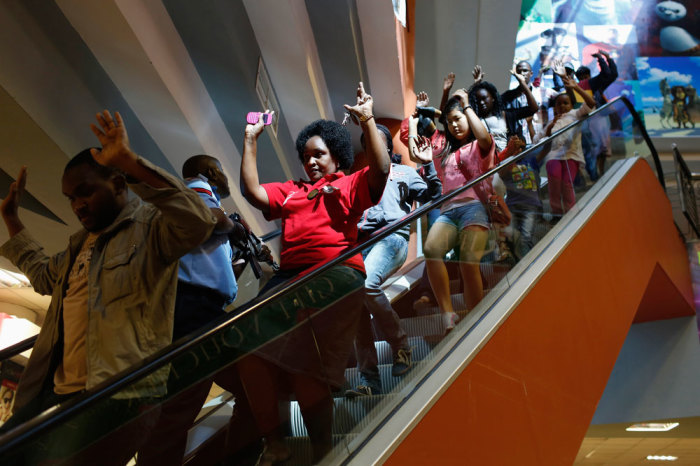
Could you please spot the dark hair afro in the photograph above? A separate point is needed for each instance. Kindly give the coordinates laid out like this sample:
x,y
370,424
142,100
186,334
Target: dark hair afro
x,y
491,89
335,136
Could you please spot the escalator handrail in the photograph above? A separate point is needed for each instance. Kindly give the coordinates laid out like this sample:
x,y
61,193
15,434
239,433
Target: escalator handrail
x,y
645,135
168,354
17,348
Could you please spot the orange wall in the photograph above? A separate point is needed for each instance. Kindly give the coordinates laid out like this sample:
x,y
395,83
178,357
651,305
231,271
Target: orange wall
x,y
531,392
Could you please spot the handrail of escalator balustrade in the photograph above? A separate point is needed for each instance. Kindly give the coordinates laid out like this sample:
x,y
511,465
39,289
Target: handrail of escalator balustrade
x,y
166,355
17,348
645,135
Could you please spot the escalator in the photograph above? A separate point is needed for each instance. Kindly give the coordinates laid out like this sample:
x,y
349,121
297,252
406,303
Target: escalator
x,y
516,381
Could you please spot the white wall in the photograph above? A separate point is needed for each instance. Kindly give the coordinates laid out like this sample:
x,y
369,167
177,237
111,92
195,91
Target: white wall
x,y
656,376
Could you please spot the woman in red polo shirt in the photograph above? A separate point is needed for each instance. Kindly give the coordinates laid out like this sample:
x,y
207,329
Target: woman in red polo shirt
x,y
319,221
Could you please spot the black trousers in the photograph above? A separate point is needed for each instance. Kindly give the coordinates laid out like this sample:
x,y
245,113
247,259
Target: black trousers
x,y
194,308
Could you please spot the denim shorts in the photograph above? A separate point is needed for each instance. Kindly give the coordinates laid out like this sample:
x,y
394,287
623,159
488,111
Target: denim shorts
x,y
465,216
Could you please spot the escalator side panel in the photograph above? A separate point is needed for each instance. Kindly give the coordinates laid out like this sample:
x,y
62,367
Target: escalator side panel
x,y
529,395
663,299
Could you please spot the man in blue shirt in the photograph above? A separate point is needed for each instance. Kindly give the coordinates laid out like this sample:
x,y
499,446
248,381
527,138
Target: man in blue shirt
x,y
206,283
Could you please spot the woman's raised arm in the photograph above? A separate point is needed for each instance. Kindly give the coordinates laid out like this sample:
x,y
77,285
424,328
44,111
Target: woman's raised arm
x,y
378,157
250,183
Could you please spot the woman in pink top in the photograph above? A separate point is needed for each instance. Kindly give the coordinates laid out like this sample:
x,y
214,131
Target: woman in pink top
x,y
468,152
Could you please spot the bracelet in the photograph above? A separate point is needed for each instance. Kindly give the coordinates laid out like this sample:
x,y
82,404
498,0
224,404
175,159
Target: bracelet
x,y
412,136
364,119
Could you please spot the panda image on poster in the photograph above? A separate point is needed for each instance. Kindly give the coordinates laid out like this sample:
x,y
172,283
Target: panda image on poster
x,y
674,39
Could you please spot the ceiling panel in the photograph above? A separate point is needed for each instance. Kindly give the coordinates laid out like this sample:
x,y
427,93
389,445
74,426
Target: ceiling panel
x,y
182,74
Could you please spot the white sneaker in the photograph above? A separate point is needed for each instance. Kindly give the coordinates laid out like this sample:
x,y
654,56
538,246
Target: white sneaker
x,y
449,319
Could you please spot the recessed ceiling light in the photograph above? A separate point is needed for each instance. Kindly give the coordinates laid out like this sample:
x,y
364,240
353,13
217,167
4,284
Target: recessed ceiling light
x,y
662,458
652,427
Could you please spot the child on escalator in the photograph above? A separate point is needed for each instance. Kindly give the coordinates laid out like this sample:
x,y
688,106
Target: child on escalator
x,y
566,154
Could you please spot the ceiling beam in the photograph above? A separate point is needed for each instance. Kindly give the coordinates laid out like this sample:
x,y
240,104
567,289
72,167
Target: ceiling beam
x,y
382,57
139,46
289,50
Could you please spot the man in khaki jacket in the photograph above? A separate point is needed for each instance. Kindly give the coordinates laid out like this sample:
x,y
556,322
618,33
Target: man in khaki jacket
x,y
113,288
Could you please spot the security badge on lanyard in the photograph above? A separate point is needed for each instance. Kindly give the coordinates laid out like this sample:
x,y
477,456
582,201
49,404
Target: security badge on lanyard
x,y
327,189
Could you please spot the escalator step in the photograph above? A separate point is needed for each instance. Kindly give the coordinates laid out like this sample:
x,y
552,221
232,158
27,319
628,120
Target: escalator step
x,y
301,449
346,417
427,325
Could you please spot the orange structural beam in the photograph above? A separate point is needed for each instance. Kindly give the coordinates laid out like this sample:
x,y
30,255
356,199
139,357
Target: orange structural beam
x,y
529,395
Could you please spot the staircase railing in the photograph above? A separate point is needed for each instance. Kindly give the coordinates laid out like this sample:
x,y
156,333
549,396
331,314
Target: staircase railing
x,y
686,190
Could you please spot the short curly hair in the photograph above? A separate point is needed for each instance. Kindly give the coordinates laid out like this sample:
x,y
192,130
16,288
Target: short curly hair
x,y
498,106
335,136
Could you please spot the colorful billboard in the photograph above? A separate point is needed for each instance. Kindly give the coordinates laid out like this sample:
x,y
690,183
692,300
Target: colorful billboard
x,y
653,43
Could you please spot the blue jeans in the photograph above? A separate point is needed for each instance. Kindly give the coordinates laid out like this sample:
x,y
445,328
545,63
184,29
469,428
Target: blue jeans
x,y
381,261
524,218
472,213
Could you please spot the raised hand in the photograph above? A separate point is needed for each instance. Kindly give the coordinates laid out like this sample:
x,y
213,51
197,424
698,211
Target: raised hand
x,y
515,146
519,77
448,81
10,205
423,150
478,74
604,53
463,95
255,130
558,68
569,83
114,140
422,99
363,108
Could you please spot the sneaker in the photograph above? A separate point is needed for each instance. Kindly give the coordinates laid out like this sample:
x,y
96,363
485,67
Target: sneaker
x,y
449,319
402,362
362,390
504,253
